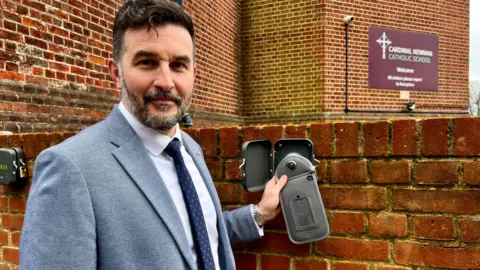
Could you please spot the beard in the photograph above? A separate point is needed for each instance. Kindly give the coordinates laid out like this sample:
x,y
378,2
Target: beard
x,y
138,107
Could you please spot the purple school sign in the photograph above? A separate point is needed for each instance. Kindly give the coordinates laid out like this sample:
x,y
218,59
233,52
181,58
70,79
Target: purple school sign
x,y
402,60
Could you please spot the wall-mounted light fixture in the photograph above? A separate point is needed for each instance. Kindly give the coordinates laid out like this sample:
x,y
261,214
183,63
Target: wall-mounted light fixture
x,y
410,106
187,120
348,19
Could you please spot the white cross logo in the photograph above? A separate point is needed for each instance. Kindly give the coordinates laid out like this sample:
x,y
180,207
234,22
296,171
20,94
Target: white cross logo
x,y
384,42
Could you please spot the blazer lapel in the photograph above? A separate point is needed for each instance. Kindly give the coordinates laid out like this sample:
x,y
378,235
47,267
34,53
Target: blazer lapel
x,y
133,156
227,260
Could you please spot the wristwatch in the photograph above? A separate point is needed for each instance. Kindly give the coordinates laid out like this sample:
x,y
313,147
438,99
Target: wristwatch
x,y
257,215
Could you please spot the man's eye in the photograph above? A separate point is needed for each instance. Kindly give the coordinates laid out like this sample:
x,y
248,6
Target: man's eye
x,y
177,65
146,62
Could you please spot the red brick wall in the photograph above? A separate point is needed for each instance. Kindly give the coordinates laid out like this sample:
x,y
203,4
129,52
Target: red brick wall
x,y
258,61
217,87
53,73
294,57
398,194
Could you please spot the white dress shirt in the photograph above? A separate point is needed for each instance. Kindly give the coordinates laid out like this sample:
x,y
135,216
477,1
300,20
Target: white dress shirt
x,y
155,143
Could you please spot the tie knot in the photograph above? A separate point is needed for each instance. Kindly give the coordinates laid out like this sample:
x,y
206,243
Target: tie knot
x,y
173,148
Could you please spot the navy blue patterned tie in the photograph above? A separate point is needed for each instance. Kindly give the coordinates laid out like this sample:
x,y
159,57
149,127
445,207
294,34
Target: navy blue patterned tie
x,y
194,209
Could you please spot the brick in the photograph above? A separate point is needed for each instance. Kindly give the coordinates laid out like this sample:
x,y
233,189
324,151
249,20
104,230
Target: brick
x,y
58,66
466,133
208,141
96,60
191,132
310,264
3,141
36,80
346,139
37,71
228,193
12,221
229,145
375,139
251,197
354,198
277,242
273,133
11,36
35,5
6,106
296,131
435,137
232,169
349,266
11,67
41,143
11,255
349,172
14,141
347,223
388,225
448,201
15,238
67,135
36,42
390,172
4,238
321,136
470,230
3,203
13,76
389,267
278,223
270,262
436,173
245,261
360,249
79,71
250,134
215,169
28,145
433,227
471,173
321,171
18,204
437,256
54,139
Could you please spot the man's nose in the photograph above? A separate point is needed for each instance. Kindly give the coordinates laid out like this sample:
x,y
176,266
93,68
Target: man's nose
x,y
163,77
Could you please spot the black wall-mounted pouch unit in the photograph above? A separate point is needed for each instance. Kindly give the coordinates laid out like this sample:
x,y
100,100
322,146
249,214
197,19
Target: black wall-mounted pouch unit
x,y
12,166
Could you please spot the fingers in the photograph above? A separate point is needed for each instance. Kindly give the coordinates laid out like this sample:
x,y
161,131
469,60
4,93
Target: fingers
x,y
281,183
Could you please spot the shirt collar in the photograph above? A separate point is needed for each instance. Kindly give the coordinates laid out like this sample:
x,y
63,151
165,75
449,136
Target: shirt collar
x,y
154,141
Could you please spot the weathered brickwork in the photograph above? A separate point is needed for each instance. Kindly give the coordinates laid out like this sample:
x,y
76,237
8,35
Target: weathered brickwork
x,y
294,58
386,210
53,73
53,63
258,61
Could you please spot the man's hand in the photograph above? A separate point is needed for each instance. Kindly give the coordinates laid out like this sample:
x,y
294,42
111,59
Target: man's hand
x,y
268,206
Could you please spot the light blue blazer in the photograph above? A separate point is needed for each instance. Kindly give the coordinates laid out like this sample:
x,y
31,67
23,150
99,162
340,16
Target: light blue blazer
x,y
98,202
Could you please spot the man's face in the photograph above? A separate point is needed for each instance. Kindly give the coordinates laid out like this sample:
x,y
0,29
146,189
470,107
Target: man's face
x,y
156,75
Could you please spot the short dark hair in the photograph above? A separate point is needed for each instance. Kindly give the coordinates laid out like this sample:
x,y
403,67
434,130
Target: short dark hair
x,y
138,13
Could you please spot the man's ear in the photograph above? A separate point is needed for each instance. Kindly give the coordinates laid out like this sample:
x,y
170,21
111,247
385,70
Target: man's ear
x,y
114,71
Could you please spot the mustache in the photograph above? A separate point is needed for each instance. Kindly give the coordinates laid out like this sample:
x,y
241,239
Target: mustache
x,y
161,94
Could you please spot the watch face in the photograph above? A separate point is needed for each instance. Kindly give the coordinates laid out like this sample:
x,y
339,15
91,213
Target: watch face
x,y
259,218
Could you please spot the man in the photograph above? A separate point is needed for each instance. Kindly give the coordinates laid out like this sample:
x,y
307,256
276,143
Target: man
x,y
133,191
